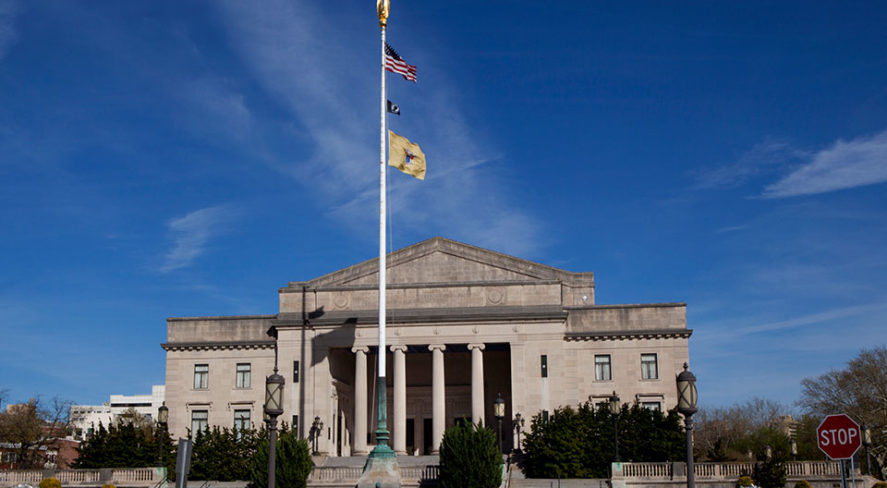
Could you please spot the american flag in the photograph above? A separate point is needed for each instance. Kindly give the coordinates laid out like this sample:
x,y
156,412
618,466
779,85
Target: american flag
x,y
395,64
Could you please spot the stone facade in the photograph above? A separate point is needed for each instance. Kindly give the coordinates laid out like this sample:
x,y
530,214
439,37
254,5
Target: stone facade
x,y
464,325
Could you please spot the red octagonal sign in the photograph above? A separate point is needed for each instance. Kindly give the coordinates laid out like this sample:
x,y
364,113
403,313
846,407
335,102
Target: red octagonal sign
x,y
838,436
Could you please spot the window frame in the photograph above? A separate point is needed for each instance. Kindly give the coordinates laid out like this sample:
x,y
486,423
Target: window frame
x,y
205,420
203,376
239,418
645,366
243,378
609,364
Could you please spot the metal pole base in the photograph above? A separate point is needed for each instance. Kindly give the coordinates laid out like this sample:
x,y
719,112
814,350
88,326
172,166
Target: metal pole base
x,y
381,470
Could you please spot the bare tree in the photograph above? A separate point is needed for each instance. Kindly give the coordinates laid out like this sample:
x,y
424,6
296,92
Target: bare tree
x,y
32,427
860,391
719,429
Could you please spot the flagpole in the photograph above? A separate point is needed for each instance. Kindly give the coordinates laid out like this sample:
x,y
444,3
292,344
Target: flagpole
x,y
383,414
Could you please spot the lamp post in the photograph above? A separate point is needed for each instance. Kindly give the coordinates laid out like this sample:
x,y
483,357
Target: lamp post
x,y
273,409
615,409
162,419
316,429
518,425
499,413
793,447
867,441
687,407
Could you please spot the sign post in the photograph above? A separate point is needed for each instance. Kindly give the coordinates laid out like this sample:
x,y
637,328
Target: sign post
x,y
839,437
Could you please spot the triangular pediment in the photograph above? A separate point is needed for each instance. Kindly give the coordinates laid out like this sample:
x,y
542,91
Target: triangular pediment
x,y
440,260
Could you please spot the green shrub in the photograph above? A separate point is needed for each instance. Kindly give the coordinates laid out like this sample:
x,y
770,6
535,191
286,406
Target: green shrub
x,y
293,464
50,483
108,485
880,484
802,484
770,473
470,458
743,481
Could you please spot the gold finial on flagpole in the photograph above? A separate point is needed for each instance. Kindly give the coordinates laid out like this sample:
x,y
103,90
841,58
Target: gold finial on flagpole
x,y
382,7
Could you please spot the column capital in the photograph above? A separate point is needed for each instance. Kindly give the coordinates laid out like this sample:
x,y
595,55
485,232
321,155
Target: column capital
x,y
439,347
398,347
363,349
480,346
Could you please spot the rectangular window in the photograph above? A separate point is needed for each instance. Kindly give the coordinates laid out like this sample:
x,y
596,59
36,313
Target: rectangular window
x,y
199,421
652,405
241,421
296,425
602,370
201,376
545,416
649,367
295,371
544,366
243,375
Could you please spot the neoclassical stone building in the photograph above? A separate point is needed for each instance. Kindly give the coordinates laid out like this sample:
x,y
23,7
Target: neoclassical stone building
x,y
465,324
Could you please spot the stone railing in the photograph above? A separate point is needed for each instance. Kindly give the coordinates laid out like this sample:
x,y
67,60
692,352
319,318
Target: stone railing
x,y
120,477
720,474
336,475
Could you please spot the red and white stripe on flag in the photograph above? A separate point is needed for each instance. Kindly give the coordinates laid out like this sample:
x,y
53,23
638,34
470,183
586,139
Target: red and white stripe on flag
x,y
395,64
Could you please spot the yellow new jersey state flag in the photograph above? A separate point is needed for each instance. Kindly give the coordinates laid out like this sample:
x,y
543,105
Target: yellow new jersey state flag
x,y
406,156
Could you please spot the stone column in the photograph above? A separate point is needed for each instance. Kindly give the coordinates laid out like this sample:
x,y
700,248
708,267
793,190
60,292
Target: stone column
x,y
360,400
438,399
400,399
477,382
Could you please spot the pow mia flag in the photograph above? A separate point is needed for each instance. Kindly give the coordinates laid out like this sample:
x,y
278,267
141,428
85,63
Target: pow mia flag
x,y
393,108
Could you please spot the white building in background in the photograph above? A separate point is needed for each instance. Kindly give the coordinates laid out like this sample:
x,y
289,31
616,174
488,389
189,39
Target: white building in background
x,y
86,418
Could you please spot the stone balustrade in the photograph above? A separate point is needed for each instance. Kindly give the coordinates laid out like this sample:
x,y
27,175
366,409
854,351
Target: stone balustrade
x,y
722,475
119,477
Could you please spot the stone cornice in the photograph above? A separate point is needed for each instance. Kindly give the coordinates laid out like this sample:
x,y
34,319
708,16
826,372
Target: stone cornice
x,y
622,335
220,318
217,346
401,286
424,316
627,305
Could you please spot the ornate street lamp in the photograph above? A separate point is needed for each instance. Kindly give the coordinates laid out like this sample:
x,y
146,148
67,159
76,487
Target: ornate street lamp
x,y
162,419
518,425
316,429
793,447
687,407
615,409
499,413
273,409
867,442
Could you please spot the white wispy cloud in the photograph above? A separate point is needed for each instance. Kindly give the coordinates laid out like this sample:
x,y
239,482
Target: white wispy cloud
x,y
763,158
191,234
326,74
846,164
8,34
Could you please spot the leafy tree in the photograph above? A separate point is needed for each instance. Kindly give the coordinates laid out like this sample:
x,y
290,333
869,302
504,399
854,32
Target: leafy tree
x,y
293,463
31,427
860,391
470,457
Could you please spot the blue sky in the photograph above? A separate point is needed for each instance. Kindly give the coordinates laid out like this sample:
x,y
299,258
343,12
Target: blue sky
x,y
169,158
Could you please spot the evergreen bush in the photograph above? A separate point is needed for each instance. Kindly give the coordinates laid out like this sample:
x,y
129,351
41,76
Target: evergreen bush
x,y
470,458
293,464
50,483
880,484
802,484
108,485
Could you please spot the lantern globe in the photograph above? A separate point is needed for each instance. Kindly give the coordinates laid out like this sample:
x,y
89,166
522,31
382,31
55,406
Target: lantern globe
x,y
686,392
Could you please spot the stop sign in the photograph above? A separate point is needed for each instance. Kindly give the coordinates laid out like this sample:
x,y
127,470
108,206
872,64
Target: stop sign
x,y
838,436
